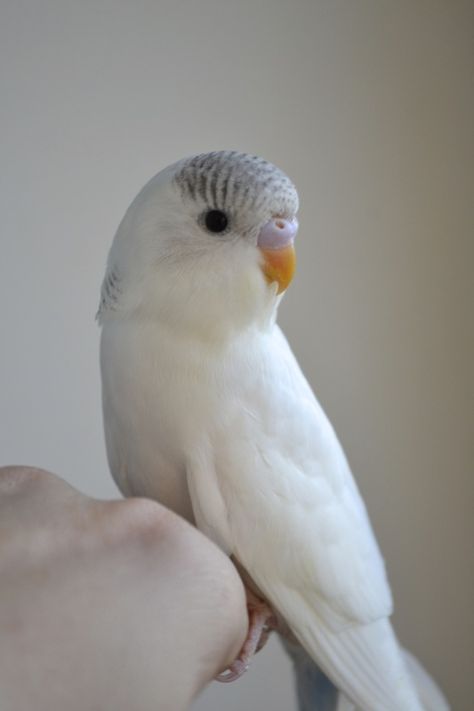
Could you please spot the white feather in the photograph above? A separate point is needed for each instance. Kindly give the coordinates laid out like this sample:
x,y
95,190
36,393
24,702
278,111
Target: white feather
x,y
429,694
268,482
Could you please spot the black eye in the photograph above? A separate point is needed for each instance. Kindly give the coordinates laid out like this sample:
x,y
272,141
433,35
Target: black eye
x,y
216,221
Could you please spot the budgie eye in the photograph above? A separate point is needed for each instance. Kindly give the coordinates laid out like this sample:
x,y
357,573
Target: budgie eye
x,y
216,221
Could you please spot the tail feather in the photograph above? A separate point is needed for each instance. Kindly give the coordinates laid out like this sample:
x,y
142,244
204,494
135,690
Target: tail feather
x,y
365,663
313,688
430,695
317,693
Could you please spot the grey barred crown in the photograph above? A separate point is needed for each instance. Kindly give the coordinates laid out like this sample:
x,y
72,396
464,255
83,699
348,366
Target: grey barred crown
x,y
229,180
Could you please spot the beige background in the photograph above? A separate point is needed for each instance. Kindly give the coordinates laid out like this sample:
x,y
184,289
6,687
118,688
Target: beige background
x,y
369,107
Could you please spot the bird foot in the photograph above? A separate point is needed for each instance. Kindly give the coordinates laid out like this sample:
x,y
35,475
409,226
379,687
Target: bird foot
x,y
261,623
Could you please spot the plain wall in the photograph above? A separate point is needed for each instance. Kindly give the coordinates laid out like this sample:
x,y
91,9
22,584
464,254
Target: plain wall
x,y
369,107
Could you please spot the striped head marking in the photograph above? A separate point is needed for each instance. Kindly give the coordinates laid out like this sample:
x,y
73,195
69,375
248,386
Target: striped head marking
x,y
236,183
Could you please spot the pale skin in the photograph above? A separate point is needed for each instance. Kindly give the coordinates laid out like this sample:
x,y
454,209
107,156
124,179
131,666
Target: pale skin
x,y
108,604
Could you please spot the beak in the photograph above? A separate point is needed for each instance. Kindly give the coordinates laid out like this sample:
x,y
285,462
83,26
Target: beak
x,y
275,241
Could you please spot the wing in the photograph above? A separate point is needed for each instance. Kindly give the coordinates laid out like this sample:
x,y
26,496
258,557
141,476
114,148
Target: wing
x,y
290,499
285,504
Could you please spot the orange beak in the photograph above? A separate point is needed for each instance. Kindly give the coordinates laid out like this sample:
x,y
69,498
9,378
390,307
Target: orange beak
x,y
279,265
275,241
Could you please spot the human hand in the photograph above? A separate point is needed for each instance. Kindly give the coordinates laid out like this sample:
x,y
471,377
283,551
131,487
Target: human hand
x,y
108,604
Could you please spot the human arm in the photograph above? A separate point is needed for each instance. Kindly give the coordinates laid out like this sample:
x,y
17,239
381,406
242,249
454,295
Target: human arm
x,y
107,604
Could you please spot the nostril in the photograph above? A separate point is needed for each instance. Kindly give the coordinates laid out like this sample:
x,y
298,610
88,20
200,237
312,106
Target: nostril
x,y
277,233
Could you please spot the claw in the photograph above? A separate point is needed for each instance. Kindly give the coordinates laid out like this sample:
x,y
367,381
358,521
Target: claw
x,y
234,672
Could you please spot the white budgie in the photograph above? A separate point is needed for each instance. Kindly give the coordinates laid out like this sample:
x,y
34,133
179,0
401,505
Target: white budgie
x,y
207,411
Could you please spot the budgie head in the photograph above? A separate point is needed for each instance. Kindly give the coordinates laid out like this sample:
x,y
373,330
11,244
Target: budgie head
x,y
207,245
